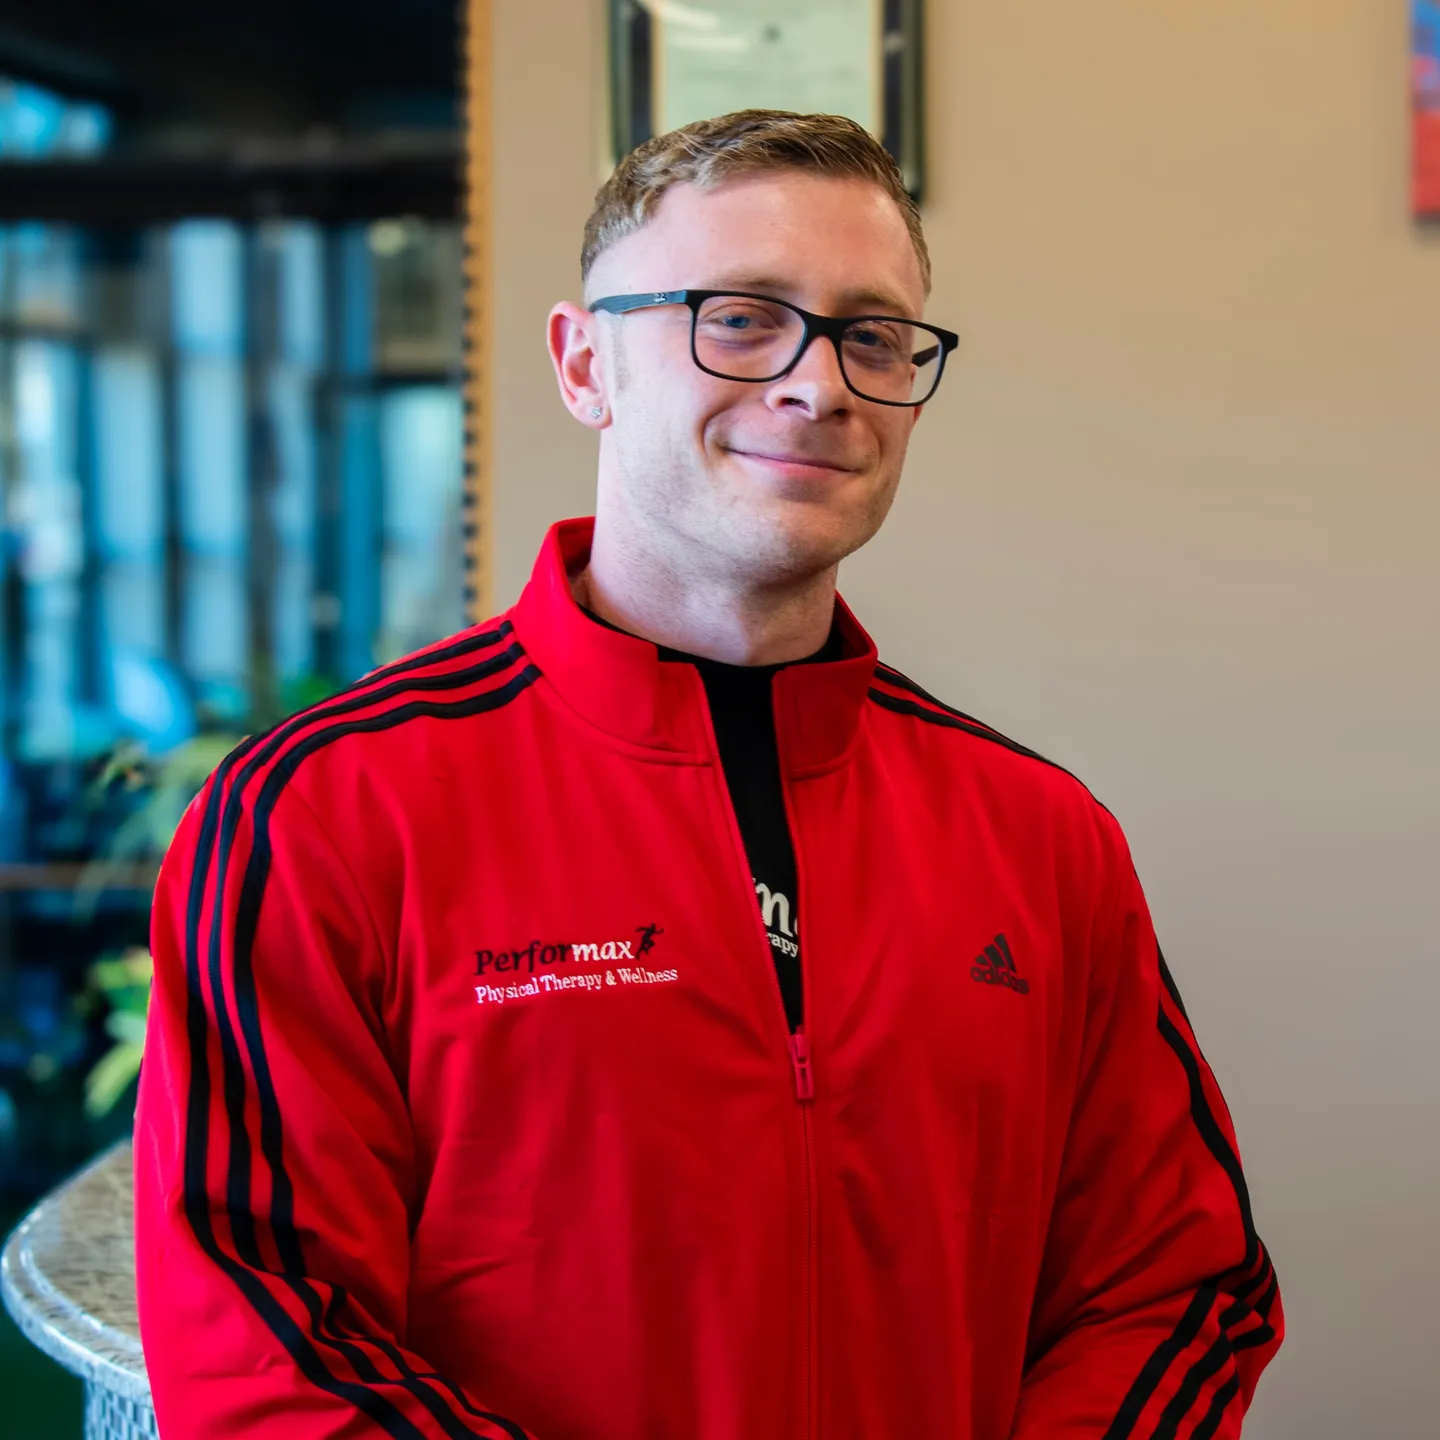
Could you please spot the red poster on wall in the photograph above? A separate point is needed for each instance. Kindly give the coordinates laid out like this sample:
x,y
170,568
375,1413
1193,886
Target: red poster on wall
x,y
1425,98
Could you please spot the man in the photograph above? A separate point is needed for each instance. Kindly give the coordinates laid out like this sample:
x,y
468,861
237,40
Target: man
x,y
648,1016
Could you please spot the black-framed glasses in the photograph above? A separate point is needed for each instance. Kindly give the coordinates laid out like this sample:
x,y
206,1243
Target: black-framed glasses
x,y
735,335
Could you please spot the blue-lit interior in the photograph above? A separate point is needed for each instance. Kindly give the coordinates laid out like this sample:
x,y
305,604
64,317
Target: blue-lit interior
x,y
230,473
144,460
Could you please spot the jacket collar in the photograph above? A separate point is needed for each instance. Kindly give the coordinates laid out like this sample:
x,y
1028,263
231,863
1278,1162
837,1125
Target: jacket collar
x,y
619,684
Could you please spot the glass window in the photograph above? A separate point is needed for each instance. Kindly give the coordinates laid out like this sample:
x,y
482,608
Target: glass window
x,y
213,529
206,280
45,516
422,464
45,276
293,517
295,324
129,527
230,462
206,274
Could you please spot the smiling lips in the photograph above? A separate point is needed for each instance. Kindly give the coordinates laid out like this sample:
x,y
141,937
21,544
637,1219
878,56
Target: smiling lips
x,y
801,462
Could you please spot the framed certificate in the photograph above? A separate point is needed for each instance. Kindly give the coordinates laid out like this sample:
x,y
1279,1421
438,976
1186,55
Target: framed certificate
x,y
1425,108
674,61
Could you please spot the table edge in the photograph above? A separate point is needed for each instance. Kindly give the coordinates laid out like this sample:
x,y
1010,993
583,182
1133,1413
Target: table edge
x,y
67,1344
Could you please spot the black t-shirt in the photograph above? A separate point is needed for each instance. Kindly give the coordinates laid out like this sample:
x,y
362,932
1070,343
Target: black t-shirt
x,y
742,712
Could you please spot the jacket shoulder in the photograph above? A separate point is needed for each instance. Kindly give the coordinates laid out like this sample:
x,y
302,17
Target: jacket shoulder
x,y
981,747
474,673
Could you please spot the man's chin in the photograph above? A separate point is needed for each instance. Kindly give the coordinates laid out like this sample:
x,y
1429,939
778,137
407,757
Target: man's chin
x,y
784,540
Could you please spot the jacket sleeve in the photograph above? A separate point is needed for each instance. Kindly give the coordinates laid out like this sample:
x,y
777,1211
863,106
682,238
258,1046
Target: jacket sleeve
x,y
274,1164
1157,1305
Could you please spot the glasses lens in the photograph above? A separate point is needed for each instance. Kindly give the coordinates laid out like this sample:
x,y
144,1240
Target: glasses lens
x,y
746,339
891,360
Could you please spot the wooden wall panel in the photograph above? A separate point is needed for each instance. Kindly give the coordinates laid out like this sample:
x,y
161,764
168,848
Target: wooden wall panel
x,y
476,32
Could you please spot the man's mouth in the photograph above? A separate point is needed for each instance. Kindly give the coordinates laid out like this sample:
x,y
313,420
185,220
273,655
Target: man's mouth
x,y
796,464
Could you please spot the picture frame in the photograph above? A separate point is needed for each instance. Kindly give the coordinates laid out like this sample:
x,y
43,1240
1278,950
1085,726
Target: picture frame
x,y
674,61
1425,109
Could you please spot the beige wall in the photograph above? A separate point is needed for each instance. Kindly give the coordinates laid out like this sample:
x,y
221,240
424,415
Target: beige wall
x,y
1174,521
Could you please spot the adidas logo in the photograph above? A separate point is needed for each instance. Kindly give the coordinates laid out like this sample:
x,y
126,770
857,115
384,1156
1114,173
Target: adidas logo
x,y
997,967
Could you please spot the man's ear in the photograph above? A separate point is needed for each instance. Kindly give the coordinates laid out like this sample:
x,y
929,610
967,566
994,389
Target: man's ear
x,y
572,335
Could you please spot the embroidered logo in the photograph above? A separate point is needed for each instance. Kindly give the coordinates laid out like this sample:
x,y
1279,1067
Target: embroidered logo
x,y
996,966
566,965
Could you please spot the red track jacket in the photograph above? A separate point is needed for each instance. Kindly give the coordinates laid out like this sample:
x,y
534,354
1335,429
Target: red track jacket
x,y
469,1105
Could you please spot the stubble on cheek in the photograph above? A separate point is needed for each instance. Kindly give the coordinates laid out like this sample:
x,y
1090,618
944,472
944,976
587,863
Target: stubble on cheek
x,y
680,482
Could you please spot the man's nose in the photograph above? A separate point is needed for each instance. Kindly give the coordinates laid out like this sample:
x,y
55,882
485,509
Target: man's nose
x,y
814,381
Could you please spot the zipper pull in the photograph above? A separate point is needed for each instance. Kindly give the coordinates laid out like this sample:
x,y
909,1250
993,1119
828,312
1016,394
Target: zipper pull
x,y
800,1059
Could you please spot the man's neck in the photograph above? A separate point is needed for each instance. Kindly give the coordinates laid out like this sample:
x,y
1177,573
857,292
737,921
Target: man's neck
x,y
724,620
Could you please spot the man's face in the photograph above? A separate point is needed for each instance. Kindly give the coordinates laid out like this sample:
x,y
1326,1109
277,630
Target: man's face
x,y
768,482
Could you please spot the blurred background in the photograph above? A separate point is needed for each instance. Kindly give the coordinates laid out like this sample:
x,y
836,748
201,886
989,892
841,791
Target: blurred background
x,y
230,471
1171,520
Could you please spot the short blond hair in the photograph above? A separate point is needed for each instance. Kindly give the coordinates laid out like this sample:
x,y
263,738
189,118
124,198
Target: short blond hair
x,y
747,142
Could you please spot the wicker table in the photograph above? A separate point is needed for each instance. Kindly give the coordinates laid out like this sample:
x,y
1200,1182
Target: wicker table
x,y
67,1275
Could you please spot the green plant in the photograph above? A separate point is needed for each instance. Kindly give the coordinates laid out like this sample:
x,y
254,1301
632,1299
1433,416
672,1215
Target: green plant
x,y
123,981
172,781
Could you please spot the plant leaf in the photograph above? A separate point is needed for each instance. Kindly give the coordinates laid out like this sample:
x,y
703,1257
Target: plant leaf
x,y
106,1082
126,1026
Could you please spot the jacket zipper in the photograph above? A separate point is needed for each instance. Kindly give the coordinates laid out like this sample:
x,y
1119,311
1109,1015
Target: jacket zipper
x,y
805,1090
800,1060
799,1046
797,1043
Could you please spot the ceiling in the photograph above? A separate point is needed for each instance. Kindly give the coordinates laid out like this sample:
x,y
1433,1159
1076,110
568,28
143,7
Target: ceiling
x,y
178,69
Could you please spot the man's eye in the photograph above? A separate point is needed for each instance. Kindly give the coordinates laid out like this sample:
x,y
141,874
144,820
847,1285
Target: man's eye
x,y
746,319
872,338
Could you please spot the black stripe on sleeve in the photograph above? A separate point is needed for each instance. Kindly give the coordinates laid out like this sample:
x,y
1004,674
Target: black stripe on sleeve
x,y
1165,1355
1224,1347
950,719
221,813
1171,988
1213,1136
282,1227
1211,1363
231,815
891,676
296,1342
1211,1423
954,720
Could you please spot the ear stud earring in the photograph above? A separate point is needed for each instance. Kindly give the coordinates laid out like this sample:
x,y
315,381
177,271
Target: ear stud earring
x,y
596,411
